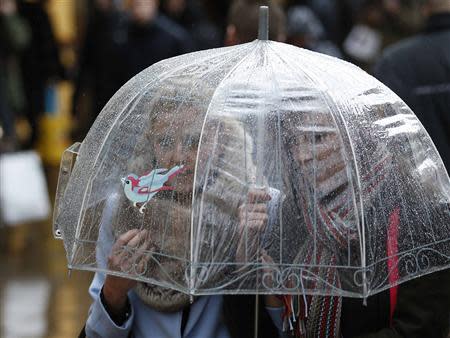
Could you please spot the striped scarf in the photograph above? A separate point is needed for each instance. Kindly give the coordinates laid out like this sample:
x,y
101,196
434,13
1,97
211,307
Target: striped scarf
x,y
324,197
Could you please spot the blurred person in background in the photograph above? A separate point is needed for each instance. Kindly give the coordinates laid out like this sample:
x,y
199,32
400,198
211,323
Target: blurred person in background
x,y
14,39
305,30
191,15
326,12
152,37
418,70
402,18
7,130
335,16
364,41
242,24
98,62
41,66
375,24
121,42
217,11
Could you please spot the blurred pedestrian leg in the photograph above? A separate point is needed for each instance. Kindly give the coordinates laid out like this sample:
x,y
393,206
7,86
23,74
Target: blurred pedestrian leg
x,y
40,64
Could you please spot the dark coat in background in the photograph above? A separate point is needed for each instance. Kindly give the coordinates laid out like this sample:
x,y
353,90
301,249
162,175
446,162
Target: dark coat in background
x,y
418,70
14,39
99,64
115,49
40,63
194,19
156,41
422,310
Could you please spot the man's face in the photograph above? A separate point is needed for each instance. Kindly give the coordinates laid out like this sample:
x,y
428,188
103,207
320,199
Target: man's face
x,y
315,146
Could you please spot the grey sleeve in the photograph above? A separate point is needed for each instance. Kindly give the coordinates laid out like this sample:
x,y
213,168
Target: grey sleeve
x,y
99,324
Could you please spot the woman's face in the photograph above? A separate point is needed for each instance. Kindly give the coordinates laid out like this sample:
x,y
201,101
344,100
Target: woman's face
x,y
176,142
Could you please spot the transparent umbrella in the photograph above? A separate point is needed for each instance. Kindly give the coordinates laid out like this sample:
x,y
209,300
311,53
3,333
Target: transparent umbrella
x,y
354,195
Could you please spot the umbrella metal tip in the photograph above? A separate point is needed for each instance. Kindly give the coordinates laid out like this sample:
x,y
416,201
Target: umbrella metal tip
x,y
263,29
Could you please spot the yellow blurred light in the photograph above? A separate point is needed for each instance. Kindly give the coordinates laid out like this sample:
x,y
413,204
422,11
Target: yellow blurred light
x,y
63,18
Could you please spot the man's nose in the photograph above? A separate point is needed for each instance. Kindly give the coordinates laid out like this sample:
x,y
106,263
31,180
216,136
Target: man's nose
x,y
305,155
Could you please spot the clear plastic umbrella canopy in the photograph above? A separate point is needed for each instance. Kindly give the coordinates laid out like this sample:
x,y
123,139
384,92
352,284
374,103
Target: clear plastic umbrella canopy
x,y
356,198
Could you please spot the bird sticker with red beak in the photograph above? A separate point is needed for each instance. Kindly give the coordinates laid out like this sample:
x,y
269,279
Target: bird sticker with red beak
x,y
141,189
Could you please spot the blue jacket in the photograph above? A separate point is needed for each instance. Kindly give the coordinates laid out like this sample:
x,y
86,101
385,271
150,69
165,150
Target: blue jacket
x,y
205,318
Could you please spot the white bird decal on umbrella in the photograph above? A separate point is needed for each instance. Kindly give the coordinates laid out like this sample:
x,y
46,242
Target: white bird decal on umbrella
x,y
141,189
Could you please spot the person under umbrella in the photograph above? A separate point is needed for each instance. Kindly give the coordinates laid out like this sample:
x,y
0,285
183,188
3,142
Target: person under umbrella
x,y
325,219
123,306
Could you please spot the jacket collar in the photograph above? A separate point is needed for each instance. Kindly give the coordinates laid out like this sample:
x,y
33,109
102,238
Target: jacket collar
x,y
438,22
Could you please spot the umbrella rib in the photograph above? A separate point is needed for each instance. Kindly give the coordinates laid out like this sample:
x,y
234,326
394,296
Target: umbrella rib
x,y
230,72
360,228
276,88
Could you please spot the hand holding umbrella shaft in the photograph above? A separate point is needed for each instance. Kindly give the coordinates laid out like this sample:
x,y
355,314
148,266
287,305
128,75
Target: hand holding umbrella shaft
x,y
253,215
252,221
115,288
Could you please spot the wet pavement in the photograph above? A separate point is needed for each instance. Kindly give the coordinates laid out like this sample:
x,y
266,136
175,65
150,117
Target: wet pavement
x,y
38,298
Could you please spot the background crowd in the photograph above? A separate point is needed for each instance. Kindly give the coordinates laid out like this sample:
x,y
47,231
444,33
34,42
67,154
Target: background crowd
x,y
115,39
62,60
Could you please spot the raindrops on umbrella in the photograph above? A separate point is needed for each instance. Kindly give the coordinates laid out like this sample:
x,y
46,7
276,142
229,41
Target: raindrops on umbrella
x,y
358,197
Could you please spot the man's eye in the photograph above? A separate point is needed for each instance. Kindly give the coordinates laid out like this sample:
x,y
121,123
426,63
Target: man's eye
x,y
318,138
